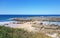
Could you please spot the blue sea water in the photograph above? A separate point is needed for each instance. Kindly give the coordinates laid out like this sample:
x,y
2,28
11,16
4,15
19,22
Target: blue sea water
x,y
4,18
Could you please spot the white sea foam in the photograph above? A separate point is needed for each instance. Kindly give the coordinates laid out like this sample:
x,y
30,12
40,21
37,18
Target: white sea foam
x,y
6,22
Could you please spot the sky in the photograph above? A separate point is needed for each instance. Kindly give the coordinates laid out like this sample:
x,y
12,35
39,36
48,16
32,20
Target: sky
x,y
37,7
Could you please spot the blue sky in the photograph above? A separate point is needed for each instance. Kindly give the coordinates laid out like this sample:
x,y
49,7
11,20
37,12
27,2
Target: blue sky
x,y
29,6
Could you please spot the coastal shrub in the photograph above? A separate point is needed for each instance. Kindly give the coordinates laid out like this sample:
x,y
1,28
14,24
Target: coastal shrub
x,y
7,32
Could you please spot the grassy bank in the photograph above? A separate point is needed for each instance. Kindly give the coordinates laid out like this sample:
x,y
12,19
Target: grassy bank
x,y
7,32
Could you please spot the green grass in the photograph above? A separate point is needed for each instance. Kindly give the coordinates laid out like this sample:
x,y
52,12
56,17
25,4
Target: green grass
x,y
7,32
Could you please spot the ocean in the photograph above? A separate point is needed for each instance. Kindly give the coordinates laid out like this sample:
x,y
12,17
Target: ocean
x,y
5,18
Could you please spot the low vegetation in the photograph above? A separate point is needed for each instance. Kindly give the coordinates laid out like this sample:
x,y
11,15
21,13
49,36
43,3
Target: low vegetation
x,y
7,32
